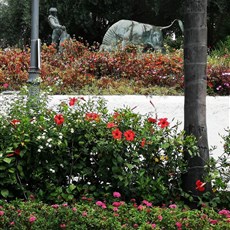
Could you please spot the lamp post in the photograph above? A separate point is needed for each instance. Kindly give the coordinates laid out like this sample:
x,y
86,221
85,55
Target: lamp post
x,y
35,63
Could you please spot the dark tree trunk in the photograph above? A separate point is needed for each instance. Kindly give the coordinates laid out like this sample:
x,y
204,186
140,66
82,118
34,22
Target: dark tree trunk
x,y
195,61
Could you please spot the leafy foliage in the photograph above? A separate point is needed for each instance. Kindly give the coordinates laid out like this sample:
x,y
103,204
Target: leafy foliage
x,y
108,214
79,148
80,67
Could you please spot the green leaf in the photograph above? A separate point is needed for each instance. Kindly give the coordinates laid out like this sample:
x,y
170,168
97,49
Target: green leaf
x,y
7,160
72,187
2,167
5,193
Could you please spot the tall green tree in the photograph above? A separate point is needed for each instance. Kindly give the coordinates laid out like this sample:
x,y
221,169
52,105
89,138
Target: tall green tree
x,y
15,22
195,61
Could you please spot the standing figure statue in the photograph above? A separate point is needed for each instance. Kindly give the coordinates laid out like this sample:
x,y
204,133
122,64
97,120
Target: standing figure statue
x,y
59,34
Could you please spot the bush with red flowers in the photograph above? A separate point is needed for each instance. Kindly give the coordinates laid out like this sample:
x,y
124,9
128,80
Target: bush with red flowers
x,y
80,148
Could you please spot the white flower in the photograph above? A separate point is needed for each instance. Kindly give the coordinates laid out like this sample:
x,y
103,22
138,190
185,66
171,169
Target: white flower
x,y
39,150
52,170
39,137
49,140
72,130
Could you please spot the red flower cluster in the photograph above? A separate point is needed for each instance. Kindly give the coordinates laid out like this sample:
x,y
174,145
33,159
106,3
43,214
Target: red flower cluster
x,y
163,122
59,119
200,186
129,134
92,117
72,101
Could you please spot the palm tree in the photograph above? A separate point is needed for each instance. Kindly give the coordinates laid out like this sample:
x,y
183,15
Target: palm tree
x,y
195,61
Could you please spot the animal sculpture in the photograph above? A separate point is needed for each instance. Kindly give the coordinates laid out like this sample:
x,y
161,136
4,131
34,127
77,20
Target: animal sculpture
x,y
125,32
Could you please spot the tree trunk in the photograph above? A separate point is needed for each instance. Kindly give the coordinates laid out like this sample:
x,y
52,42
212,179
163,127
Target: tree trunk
x,y
195,61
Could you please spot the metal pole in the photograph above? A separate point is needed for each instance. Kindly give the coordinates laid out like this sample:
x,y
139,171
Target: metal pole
x,y
34,70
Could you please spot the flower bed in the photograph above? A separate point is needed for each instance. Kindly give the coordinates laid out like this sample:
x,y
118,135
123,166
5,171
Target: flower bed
x,y
79,68
114,214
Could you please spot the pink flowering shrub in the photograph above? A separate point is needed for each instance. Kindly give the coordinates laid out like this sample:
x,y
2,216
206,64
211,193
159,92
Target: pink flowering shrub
x,y
89,214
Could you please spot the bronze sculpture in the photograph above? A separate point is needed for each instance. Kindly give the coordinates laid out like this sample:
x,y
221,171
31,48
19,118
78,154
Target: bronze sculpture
x,y
59,34
125,32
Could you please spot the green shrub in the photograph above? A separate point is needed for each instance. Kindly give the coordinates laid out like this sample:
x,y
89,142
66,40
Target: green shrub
x,y
117,214
80,148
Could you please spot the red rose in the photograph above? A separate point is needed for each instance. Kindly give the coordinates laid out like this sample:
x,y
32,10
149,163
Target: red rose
x,y
59,119
163,122
117,134
129,135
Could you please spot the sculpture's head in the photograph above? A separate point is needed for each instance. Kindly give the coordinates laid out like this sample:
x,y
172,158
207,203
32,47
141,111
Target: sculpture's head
x,y
53,11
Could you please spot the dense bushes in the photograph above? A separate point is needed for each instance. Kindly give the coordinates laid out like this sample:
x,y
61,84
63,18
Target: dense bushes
x,y
80,148
78,67
113,214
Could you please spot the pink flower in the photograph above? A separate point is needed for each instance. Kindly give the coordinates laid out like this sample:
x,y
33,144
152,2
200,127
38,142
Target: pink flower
x,y
74,209
224,212
32,219
55,206
12,223
99,203
116,195
62,225
160,218
2,213
153,225
148,204
135,225
5,85
140,207
84,213
172,206
115,209
178,224
211,221
116,204
65,205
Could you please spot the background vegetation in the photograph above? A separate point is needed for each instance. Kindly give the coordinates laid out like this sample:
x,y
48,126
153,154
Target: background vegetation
x,y
91,18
